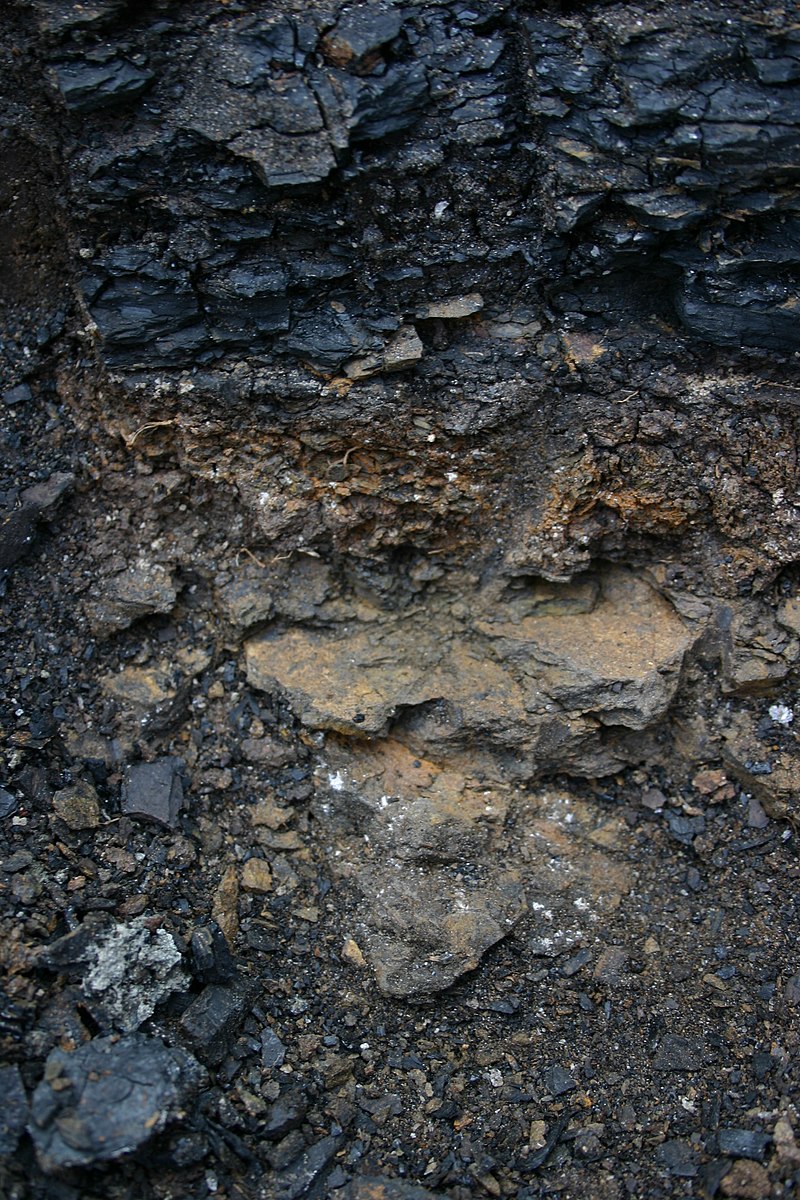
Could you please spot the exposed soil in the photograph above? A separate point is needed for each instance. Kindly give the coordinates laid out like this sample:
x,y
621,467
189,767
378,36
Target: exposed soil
x,y
401,626
639,1005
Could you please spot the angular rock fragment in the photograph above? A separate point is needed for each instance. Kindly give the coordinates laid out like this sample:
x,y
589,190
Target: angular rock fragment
x,y
18,527
404,350
125,970
213,1017
78,806
454,309
424,845
154,791
145,688
679,1053
426,928
744,1143
144,590
87,86
286,1113
298,1178
359,30
210,958
8,804
256,876
108,1098
539,675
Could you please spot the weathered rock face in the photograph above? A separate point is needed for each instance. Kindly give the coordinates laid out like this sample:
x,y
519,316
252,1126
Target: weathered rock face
x,y
424,279
440,878
453,352
539,675
632,129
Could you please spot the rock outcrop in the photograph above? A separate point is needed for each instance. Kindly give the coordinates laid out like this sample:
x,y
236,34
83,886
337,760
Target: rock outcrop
x,y
453,353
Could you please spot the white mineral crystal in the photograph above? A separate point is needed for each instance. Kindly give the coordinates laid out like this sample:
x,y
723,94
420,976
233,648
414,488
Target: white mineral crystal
x,y
781,714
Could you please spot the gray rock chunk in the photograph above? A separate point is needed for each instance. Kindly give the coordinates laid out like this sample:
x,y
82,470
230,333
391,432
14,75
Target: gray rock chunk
x,y
213,1017
558,1081
454,309
107,1098
17,395
154,791
273,1051
329,338
8,804
87,86
13,1111
144,590
300,1176
425,929
744,1143
210,957
286,1114
134,970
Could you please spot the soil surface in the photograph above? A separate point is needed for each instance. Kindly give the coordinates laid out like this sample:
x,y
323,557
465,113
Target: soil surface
x,y
619,1013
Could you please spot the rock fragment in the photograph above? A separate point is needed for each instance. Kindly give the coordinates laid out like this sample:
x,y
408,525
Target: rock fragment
x,y
143,590
14,1109
297,1179
125,970
359,30
679,1053
18,527
224,908
154,791
108,1098
78,806
425,929
744,1143
87,86
273,1051
257,876
558,1081
8,804
542,676
213,1017
20,394
210,956
454,309
286,1114
402,351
